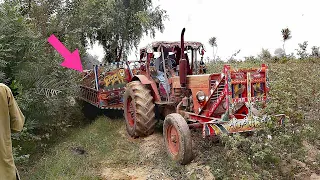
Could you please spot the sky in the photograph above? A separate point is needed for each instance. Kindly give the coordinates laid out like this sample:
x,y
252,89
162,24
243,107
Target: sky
x,y
248,25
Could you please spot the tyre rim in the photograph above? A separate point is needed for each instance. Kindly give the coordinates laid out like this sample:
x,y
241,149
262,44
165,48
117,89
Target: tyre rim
x,y
173,140
130,112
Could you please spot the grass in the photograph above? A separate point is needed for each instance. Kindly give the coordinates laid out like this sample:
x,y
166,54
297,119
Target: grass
x,y
292,153
102,143
294,91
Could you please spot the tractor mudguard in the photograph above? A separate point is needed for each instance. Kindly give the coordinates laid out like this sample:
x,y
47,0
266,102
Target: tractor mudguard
x,y
144,80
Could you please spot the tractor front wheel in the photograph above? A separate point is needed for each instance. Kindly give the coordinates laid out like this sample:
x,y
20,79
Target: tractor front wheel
x,y
177,138
139,110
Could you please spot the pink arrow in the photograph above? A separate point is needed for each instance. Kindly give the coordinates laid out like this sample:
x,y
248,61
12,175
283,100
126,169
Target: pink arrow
x,y
72,60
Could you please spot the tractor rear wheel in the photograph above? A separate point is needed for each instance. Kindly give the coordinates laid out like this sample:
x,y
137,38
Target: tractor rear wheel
x,y
139,110
177,138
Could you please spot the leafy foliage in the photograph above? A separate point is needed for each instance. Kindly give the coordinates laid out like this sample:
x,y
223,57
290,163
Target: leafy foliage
x,y
315,52
302,51
117,25
27,67
265,55
28,64
213,43
91,60
276,153
279,53
286,35
45,91
232,57
251,59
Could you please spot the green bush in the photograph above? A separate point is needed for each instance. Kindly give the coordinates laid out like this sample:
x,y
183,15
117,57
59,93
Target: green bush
x,y
27,65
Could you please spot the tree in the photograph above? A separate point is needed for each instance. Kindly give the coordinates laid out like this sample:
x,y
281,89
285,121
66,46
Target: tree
x,y
218,59
232,59
265,55
118,25
90,61
302,51
31,66
208,59
213,43
251,59
286,35
27,58
279,53
315,52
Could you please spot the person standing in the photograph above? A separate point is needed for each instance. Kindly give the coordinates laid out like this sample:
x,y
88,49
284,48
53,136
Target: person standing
x,y
11,121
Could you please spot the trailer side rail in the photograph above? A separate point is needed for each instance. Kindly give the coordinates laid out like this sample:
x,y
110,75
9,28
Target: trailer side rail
x,y
89,95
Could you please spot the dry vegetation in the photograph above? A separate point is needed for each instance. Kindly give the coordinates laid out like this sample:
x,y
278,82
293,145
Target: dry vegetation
x,y
55,144
291,152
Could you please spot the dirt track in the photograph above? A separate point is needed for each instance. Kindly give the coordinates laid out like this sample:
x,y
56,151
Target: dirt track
x,y
154,163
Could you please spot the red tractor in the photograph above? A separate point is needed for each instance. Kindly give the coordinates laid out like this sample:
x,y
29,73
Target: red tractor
x,y
217,103
103,86
166,84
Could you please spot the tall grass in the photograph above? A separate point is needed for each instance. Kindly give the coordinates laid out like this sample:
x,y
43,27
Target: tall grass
x,y
278,153
81,155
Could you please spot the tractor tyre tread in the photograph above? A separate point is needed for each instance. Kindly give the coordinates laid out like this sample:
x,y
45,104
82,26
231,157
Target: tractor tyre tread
x,y
185,154
145,115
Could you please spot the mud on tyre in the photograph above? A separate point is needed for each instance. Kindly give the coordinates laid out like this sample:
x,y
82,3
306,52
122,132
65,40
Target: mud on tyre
x,y
139,110
177,138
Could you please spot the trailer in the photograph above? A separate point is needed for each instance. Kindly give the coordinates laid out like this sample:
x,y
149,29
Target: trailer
x,y
104,85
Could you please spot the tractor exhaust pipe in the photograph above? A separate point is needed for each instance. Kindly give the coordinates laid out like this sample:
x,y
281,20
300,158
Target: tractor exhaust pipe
x,y
183,63
183,73
182,43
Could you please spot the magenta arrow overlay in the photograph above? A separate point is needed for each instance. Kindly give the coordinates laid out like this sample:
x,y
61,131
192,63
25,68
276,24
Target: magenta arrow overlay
x,y
72,60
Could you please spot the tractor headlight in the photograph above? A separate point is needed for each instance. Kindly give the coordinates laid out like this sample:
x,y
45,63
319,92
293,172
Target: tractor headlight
x,y
201,96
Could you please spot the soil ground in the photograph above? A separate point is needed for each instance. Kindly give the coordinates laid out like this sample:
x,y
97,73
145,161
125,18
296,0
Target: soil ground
x,y
153,162
104,150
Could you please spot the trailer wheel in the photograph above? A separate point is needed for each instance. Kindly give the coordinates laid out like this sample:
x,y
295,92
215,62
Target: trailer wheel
x,y
177,138
139,110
